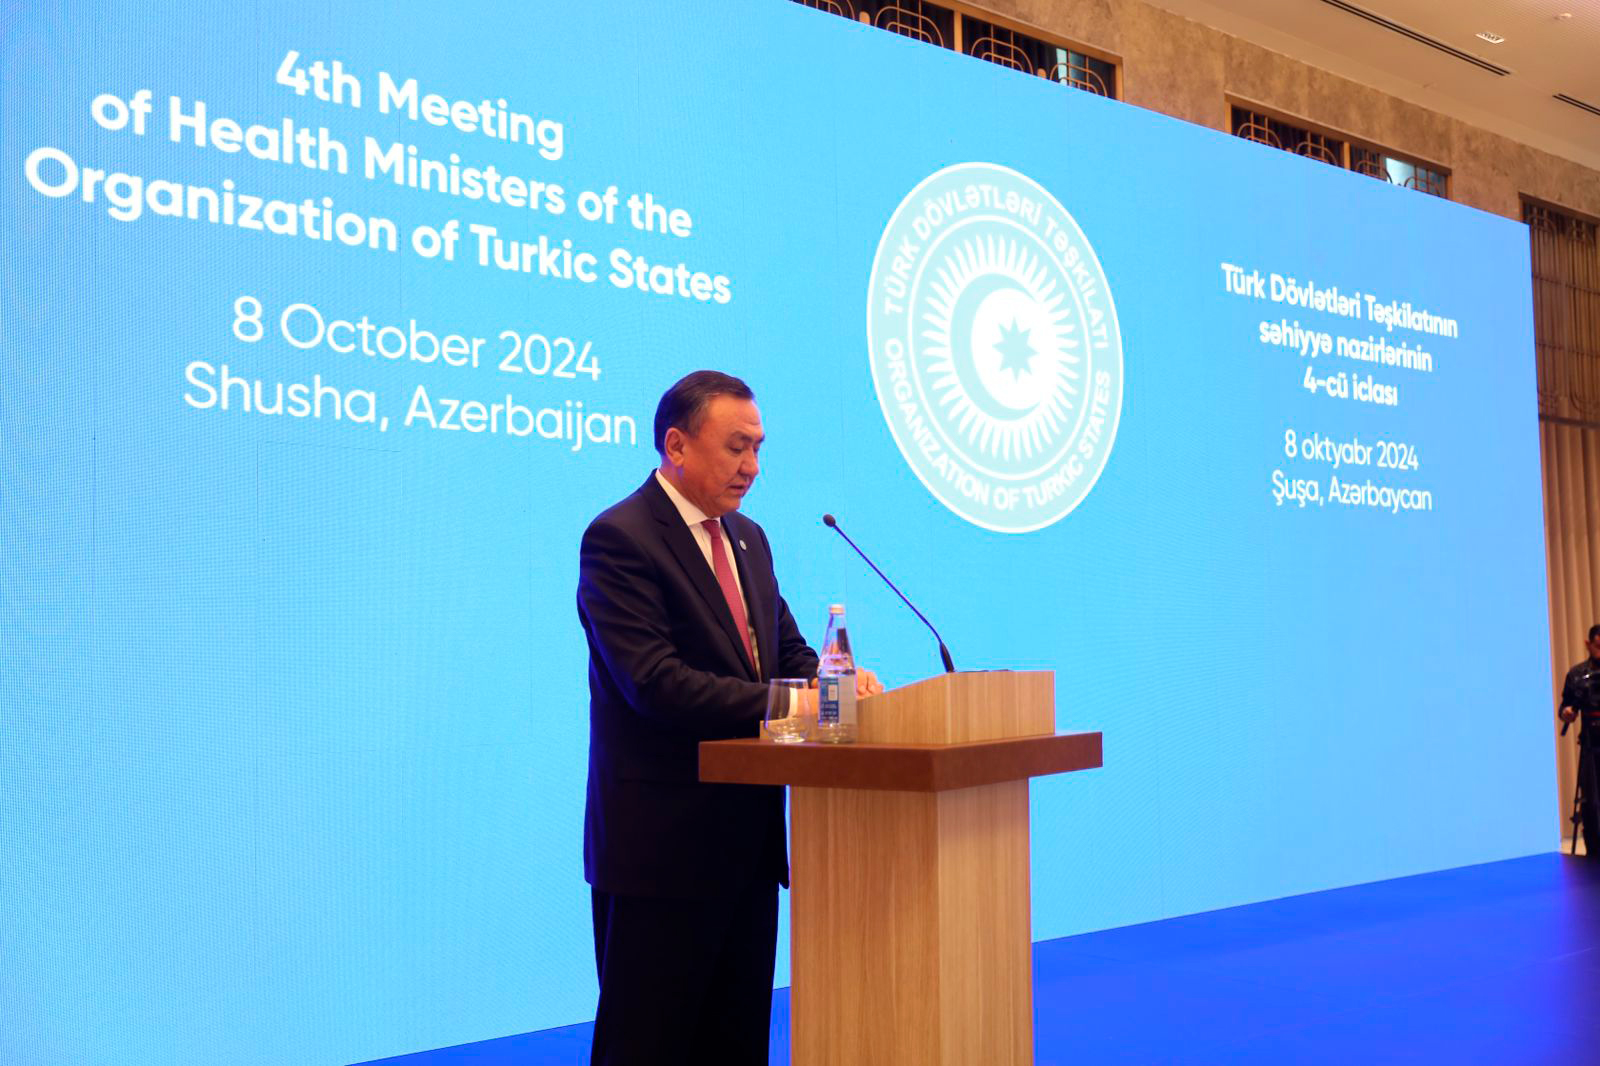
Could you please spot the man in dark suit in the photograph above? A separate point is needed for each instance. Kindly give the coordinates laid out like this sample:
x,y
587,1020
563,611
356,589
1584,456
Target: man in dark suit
x,y
685,625
1580,698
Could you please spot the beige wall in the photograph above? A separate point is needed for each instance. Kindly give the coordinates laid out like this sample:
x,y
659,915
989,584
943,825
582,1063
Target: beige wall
x,y
1188,70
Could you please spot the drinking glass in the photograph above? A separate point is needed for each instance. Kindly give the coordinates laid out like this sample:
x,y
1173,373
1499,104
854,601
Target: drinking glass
x,y
787,720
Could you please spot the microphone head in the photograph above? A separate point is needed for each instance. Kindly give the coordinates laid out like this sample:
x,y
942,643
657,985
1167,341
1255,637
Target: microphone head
x,y
828,521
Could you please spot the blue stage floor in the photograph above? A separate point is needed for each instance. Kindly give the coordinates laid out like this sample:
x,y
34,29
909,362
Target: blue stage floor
x,y
1487,964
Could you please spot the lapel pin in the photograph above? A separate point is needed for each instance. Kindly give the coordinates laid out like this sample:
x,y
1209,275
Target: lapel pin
x,y
742,547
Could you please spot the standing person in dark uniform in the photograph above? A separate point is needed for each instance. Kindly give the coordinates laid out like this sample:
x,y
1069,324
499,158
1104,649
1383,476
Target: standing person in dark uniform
x,y
1580,696
685,626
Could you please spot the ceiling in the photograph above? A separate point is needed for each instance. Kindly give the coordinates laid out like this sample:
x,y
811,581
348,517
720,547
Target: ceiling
x,y
1544,52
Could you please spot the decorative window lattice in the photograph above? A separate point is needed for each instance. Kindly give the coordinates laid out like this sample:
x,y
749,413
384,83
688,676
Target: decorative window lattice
x,y
943,27
1084,72
1033,55
1374,163
842,8
1280,133
927,23
1322,149
1550,220
1368,162
1566,311
1273,131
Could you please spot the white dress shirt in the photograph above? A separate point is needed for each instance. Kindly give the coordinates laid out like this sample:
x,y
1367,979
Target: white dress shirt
x,y
693,517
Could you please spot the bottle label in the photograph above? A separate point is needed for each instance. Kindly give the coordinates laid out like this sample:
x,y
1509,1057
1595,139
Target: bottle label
x,y
828,700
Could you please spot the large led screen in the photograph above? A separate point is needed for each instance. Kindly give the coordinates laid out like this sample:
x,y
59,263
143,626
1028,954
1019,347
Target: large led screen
x,y
327,329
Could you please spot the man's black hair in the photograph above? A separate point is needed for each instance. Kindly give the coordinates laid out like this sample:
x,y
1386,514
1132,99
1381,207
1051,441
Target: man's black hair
x,y
1594,631
684,405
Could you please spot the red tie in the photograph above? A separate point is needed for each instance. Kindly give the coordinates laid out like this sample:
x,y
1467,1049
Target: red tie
x,y
730,591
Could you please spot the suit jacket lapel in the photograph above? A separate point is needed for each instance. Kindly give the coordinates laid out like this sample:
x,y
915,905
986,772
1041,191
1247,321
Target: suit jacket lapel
x,y
687,551
755,578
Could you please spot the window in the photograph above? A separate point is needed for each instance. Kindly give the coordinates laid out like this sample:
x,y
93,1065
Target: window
x,y
929,23
1033,55
1374,163
1267,129
950,26
1264,128
1566,311
1545,219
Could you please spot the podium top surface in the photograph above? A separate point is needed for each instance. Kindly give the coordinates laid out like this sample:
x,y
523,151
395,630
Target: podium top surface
x,y
897,767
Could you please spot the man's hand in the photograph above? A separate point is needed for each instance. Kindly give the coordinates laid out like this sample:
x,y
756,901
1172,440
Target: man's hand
x,y
867,684
1566,714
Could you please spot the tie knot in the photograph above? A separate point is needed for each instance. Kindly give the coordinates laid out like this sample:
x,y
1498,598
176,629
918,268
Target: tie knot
x,y
714,527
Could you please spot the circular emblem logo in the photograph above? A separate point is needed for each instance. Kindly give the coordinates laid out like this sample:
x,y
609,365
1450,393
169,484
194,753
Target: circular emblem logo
x,y
995,347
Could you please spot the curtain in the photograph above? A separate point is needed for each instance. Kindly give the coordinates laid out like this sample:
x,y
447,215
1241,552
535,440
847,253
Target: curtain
x,y
1571,459
1566,304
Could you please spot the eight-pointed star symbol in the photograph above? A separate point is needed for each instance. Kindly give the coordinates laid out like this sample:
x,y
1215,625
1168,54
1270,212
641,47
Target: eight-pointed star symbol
x,y
1015,350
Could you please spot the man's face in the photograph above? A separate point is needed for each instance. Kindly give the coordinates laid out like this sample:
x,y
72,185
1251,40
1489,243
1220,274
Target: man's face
x,y
717,465
1594,648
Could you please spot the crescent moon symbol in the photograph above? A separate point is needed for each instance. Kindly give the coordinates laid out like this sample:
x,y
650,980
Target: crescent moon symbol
x,y
961,317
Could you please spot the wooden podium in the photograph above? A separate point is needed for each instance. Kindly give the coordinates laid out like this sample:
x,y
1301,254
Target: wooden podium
x,y
911,940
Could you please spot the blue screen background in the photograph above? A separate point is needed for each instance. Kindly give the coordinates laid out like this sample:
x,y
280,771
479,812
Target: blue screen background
x,y
293,714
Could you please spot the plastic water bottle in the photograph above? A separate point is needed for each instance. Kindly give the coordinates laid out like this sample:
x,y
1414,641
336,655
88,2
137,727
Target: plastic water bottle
x,y
836,682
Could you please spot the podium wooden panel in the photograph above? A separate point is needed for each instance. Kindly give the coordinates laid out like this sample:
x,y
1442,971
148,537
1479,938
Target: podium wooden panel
x,y
911,938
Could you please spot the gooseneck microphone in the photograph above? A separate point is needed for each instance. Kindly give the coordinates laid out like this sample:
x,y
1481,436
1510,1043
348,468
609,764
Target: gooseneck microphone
x,y
944,652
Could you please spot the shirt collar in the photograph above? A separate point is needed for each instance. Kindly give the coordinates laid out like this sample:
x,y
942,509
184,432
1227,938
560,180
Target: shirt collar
x,y
692,515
